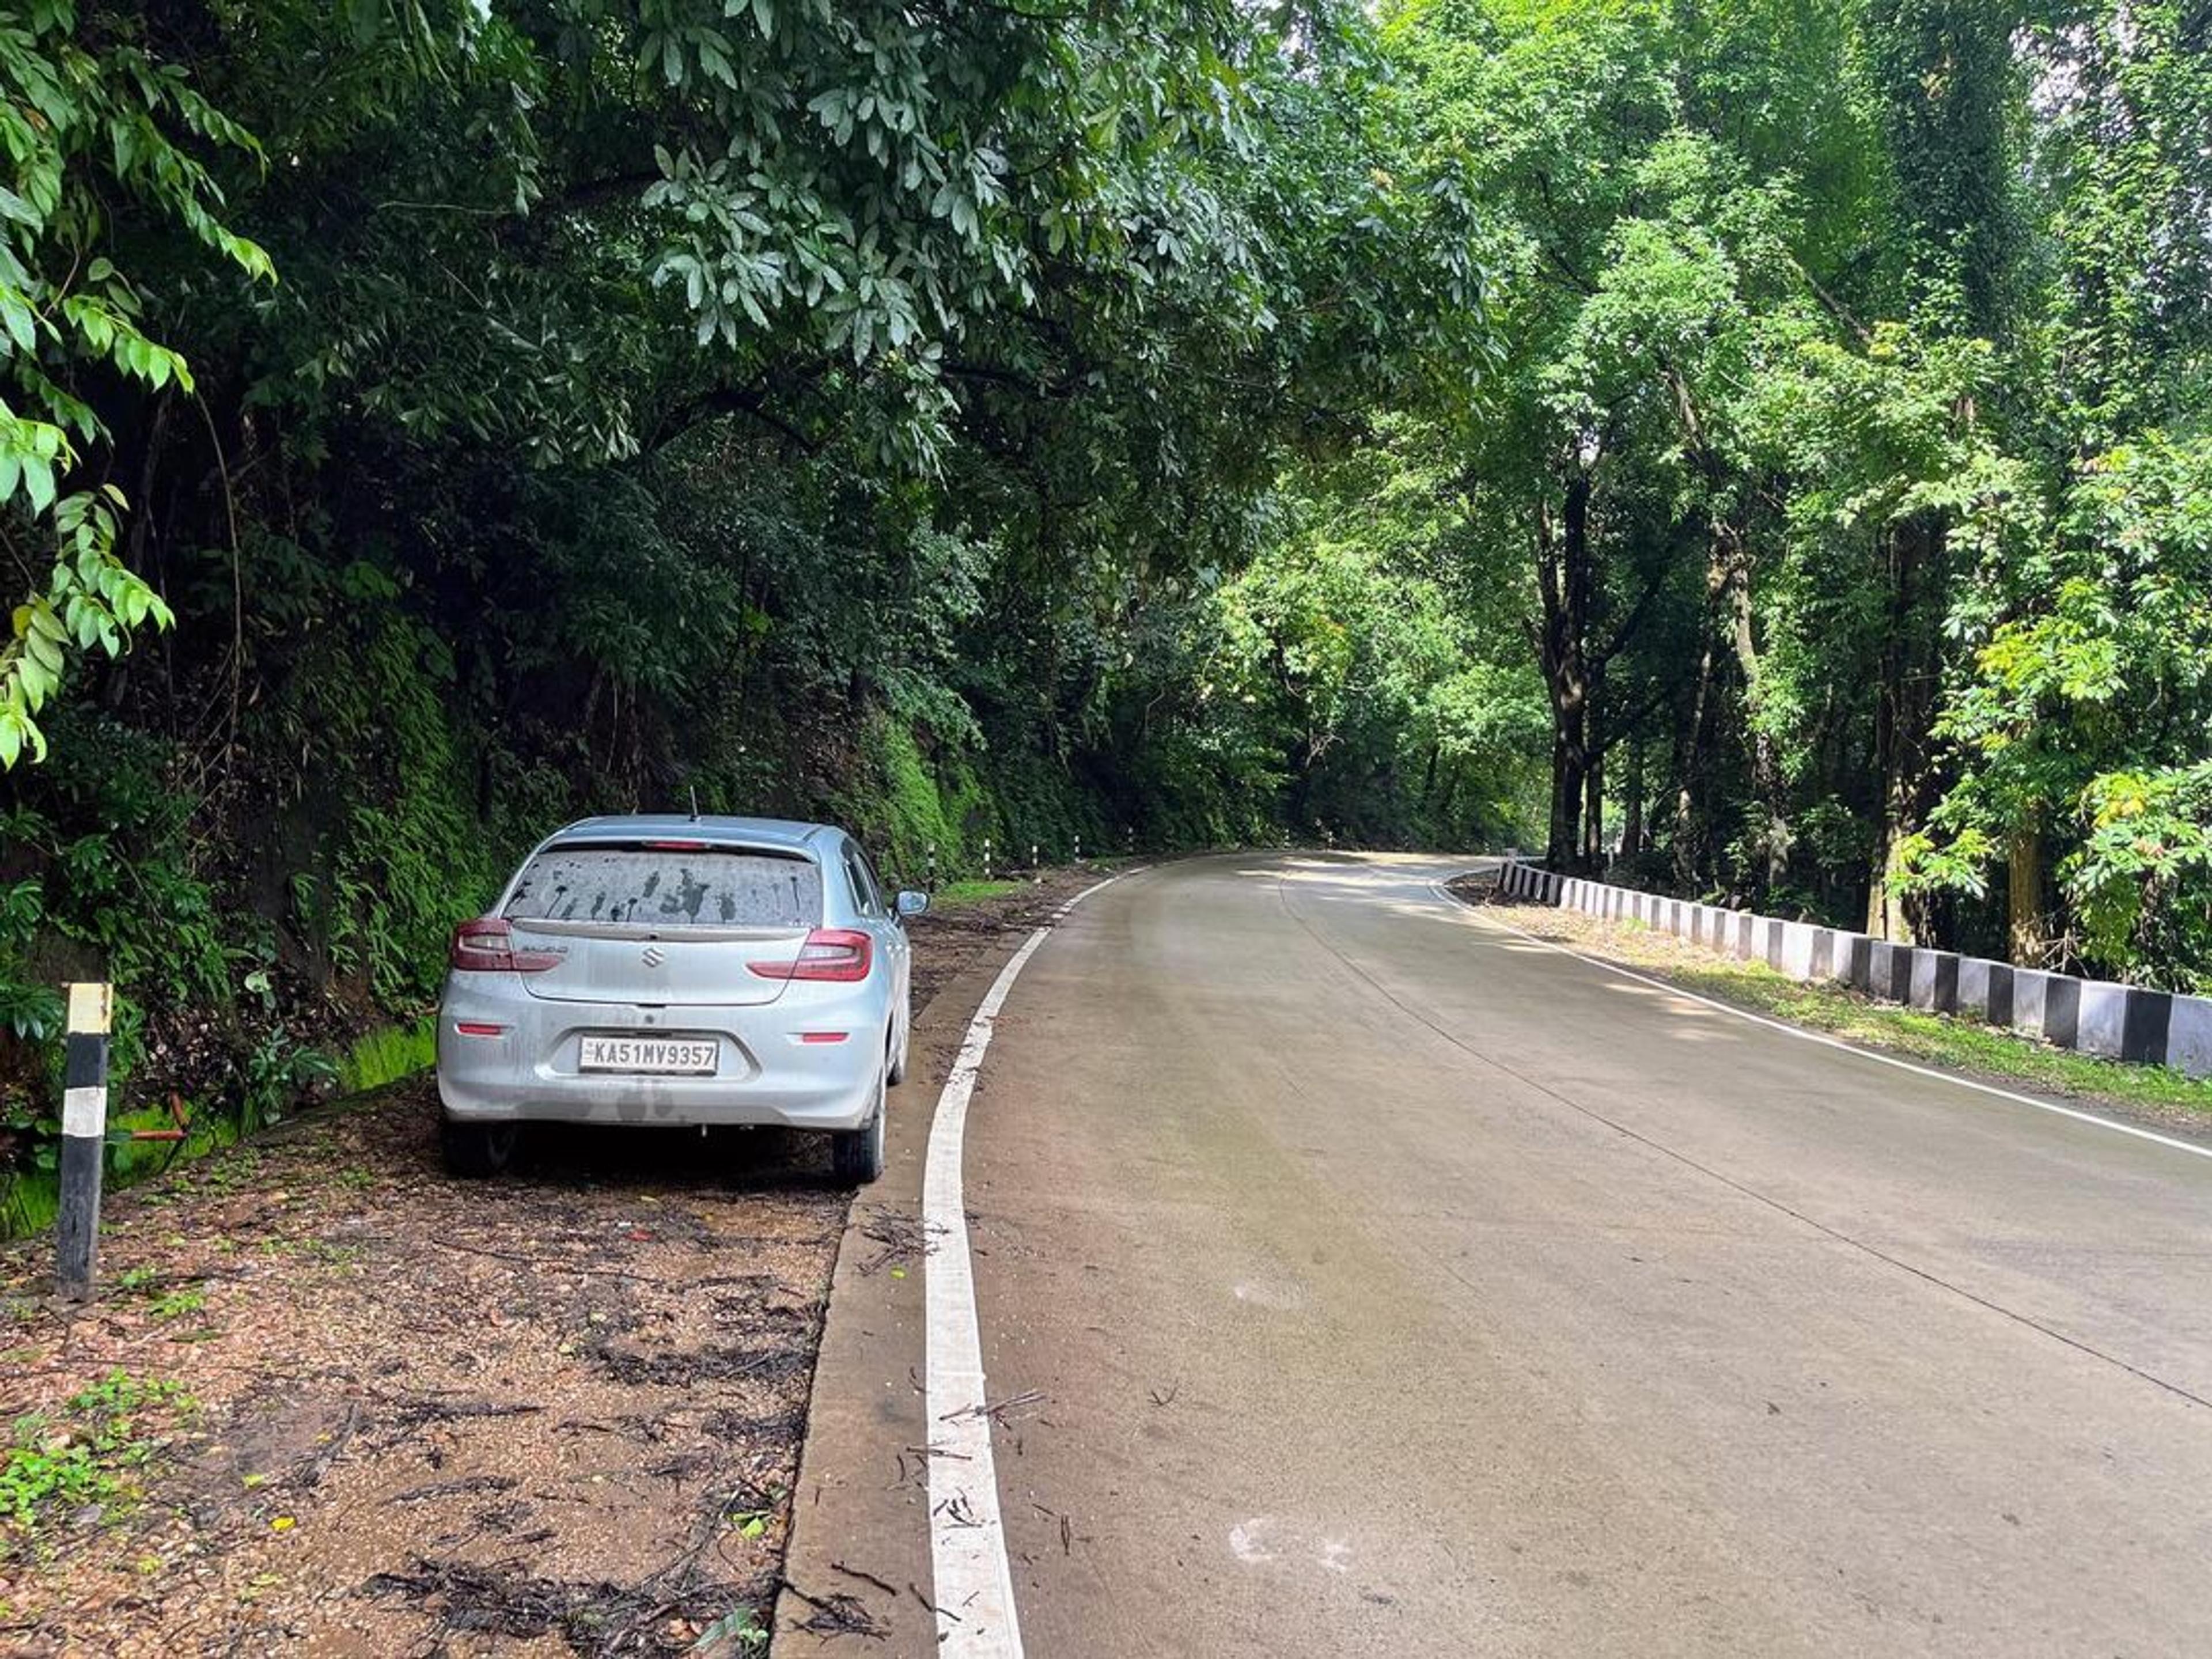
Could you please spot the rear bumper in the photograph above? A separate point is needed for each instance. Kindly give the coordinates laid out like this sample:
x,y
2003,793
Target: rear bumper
x,y
530,1073
668,1103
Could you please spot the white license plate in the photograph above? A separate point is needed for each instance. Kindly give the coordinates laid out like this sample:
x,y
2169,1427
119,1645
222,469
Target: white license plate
x,y
692,1056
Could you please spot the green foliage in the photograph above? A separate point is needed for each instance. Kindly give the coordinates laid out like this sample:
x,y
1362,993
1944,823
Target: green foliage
x,y
954,894
843,411
919,817
1856,365
1180,423
277,1073
175,1304
741,1630
32,1011
83,123
401,851
1357,672
2087,709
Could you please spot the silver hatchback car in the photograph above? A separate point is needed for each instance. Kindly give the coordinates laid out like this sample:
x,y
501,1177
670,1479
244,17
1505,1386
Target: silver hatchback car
x,y
677,972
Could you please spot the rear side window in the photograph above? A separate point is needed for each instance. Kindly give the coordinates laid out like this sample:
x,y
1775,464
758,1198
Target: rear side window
x,y
865,896
652,886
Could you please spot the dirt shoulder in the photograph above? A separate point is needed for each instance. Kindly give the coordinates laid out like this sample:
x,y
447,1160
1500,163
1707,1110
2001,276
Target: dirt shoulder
x,y
2150,1095
330,1398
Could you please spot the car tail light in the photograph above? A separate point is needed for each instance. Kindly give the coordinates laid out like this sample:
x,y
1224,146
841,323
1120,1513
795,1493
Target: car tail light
x,y
486,945
840,955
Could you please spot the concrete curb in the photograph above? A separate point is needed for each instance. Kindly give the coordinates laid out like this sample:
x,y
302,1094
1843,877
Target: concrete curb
x,y
2094,1017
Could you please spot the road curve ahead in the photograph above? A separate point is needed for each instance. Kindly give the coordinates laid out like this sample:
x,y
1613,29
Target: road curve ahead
x,y
1397,1285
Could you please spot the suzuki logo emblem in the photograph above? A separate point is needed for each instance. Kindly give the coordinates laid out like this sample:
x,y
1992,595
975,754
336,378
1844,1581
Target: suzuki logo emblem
x,y
652,956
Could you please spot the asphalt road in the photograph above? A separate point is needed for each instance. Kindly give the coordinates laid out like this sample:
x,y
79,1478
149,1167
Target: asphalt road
x,y
1397,1286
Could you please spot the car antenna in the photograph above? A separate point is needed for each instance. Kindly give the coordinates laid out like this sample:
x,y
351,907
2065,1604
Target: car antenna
x,y
694,802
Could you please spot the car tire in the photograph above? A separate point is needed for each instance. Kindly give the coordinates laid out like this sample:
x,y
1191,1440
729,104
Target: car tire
x,y
475,1151
856,1156
898,1060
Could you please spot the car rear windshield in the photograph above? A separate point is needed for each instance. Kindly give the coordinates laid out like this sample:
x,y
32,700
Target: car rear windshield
x,y
672,887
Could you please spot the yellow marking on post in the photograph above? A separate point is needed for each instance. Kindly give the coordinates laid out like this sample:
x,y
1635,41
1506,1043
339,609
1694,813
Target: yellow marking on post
x,y
91,1006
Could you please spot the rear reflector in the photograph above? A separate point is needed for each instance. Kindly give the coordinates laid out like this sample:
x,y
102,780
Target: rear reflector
x,y
824,1037
486,945
477,1028
837,954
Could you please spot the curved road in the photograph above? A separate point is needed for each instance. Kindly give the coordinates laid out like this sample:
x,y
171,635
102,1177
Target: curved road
x,y
1398,1286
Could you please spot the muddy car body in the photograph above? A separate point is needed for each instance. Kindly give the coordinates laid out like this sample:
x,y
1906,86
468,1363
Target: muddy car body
x,y
679,972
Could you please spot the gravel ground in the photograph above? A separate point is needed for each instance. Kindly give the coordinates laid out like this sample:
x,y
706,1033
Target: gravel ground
x,y
365,1408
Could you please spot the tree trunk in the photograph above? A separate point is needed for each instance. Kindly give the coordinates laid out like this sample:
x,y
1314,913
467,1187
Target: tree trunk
x,y
1631,809
1735,559
2027,941
1566,804
1594,854
1886,915
1593,750
1691,766
1904,711
1564,581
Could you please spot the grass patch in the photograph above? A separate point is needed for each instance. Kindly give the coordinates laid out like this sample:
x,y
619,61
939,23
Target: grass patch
x,y
1937,1039
387,1054
30,1199
954,894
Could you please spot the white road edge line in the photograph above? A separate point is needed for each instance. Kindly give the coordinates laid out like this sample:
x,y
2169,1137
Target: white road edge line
x,y
975,1616
2191,1147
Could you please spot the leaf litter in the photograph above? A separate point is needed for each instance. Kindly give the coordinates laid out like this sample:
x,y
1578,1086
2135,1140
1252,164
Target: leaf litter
x,y
560,1413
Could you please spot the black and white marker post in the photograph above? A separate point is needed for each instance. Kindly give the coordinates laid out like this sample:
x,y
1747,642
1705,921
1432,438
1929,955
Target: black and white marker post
x,y
84,1137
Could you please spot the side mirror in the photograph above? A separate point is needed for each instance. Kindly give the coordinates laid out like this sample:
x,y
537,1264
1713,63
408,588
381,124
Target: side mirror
x,y
911,904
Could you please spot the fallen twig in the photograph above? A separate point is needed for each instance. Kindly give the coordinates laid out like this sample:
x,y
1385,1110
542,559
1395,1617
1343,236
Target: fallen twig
x,y
997,1412
935,1611
838,1615
319,1464
865,1577
555,1264
474,1483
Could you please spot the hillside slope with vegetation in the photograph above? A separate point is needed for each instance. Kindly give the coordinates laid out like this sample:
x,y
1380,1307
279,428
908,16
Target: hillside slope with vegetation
x,y
1757,447
452,419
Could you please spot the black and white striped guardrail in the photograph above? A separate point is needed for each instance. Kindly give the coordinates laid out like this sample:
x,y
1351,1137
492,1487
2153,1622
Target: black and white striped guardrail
x,y
2095,1017
84,1136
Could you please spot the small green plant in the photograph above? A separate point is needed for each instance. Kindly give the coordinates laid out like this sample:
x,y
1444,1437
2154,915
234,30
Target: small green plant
x,y
190,1299
32,1129
740,1629
318,1250
750,1524
278,1072
240,1169
83,1456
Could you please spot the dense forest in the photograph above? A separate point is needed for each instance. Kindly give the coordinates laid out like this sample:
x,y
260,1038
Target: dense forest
x,y
1755,446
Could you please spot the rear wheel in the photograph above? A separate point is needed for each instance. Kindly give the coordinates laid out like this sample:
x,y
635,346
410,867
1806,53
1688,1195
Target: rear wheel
x,y
856,1156
477,1150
